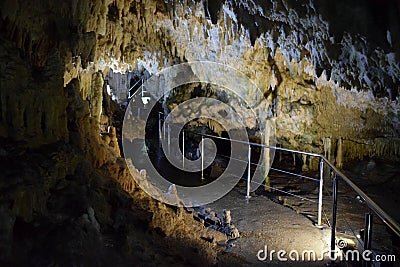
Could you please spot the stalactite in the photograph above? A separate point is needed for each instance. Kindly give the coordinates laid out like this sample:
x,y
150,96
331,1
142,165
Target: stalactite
x,y
80,39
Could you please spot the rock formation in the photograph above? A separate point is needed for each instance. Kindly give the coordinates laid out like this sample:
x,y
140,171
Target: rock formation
x,y
61,182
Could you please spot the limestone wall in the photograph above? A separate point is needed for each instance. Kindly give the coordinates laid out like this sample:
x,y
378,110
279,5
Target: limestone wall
x,y
60,202
54,58
82,38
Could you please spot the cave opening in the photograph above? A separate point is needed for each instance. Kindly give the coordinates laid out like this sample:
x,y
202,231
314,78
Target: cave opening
x,y
192,132
192,135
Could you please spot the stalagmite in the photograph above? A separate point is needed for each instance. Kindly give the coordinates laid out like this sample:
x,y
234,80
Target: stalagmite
x,y
227,217
339,153
55,56
305,166
267,156
327,148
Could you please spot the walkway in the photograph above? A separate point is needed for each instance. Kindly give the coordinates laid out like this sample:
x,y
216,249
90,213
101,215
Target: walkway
x,y
262,222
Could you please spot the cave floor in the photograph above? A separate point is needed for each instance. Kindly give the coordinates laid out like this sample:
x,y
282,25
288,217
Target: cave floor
x,y
284,222
262,222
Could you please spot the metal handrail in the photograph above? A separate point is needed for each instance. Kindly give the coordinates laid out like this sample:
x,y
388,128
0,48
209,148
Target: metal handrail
x,y
387,219
274,169
260,145
133,86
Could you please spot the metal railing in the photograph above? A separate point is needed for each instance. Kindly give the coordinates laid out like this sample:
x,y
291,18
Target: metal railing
x,y
323,165
134,88
373,208
138,96
248,179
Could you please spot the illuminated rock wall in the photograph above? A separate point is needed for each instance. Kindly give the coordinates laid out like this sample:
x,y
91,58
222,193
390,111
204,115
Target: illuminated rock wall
x,y
55,56
282,47
60,201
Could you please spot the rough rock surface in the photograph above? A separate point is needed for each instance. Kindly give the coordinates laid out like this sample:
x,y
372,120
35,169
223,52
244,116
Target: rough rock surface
x,y
284,51
58,173
61,203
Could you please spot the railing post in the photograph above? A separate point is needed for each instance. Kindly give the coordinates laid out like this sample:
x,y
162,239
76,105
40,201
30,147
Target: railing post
x,y
334,210
183,149
159,128
367,236
202,157
142,88
321,186
159,140
248,172
169,140
164,127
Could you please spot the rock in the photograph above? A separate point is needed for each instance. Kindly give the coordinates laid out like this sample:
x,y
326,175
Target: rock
x,y
143,173
216,237
172,195
55,56
234,232
92,219
227,217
